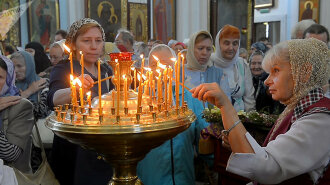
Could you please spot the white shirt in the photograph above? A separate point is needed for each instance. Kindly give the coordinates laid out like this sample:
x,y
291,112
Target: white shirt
x,y
303,149
7,175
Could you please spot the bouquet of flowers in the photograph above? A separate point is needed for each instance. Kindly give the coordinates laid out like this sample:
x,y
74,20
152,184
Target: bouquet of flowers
x,y
258,119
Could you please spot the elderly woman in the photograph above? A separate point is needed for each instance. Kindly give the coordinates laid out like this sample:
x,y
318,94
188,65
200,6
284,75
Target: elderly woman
x,y
173,161
296,150
199,68
31,86
71,163
16,121
236,70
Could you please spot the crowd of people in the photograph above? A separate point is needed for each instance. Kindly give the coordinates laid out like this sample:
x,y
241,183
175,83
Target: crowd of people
x,y
290,78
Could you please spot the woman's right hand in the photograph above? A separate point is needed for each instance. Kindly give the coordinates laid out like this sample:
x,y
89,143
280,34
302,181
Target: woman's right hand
x,y
37,85
87,80
9,101
212,93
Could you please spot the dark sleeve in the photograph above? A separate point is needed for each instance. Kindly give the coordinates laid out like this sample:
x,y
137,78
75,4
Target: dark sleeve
x,y
8,152
20,123
40,108
59,79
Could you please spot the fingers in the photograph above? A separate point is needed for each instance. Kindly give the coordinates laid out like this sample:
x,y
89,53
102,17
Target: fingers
x,y
9,101
87,80
196,90
225,142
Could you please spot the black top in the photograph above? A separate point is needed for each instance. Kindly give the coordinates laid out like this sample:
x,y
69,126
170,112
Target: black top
x,y
73,165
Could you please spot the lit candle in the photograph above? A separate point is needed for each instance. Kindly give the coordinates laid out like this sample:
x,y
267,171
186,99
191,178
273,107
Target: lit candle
x,y
70,57
89,98
182,79
150,86
118,88
125,90
142,64
135,78
139,93
153,88
158,88
73,90
177,87
170,74
113,98
99,84
81,93
165,84
82,70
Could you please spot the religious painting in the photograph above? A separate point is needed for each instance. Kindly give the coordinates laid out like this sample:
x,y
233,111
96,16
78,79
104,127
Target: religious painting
x,y
309,9
111,14
164,20
138,21
43,21
13,35
263,4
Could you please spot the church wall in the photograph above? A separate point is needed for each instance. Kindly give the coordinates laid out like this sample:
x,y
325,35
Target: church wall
x,y
191,16
288,13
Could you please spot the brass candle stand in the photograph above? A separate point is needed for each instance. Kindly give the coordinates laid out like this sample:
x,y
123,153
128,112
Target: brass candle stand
x,y
123,137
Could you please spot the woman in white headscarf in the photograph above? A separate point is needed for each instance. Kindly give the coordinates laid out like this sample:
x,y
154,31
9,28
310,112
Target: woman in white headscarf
x,y
199,68
236,70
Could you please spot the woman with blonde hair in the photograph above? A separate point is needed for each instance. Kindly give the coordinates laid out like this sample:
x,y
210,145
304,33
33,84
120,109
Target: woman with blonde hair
x,y
296,150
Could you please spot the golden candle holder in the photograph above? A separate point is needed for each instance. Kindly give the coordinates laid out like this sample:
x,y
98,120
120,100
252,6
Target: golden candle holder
x,y
123,136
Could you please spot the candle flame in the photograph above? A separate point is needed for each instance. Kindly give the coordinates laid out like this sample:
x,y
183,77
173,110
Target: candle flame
x,y
141,56
132,68
155,58
74,82
161,65
124,76
88,93
182,55
139,76
156,77
80,52
66,48
147,68
71,77
158,71
144,77
78,82
116,60
173,59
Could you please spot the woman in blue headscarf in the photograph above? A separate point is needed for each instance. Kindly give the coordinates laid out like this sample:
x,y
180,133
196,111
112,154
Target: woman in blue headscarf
x,y
16,120
31,86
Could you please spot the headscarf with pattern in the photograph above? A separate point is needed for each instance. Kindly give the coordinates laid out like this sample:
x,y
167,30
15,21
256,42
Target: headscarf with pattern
x,y
77,25
309,60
